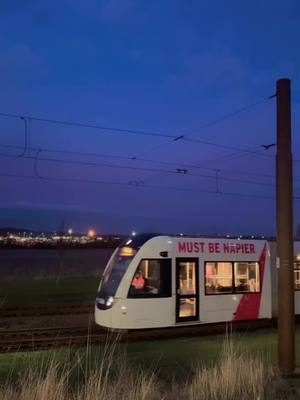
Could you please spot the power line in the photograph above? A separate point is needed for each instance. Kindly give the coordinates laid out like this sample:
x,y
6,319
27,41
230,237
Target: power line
x,y
188,135
173,137
90,126
230,115
226,147
130,131
144,169
142,185
169,163
194,166
145,133
227,157
207,143
217,178
87,163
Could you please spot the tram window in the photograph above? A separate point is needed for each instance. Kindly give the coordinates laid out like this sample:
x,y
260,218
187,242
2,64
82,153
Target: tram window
x,y
188,307
218,277
246,277
297,272
152,279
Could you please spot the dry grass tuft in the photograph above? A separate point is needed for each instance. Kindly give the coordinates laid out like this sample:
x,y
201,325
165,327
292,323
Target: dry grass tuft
x,y
55,385
236,376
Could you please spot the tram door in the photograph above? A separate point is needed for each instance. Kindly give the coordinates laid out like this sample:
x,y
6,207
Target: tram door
x,y
187,289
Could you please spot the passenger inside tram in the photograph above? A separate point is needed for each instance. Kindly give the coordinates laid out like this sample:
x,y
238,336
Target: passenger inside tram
x,y
152,279
142,286
146,281
138,281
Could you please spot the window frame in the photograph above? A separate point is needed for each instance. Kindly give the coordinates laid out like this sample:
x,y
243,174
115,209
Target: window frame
x,y
152,295
296,268
221,293
233,291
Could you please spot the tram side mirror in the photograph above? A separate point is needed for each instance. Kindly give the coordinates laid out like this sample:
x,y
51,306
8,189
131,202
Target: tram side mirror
x,y
163,254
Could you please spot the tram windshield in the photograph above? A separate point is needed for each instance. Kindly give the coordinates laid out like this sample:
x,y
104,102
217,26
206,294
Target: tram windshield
x,y
115,271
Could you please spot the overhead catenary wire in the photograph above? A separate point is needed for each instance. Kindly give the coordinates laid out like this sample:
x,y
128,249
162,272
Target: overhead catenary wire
x,y
187,136
143,169
130,131
36,171
88,126
178,167
224,146
142,185
236,154
174,138
25,147
128,158
203,142
239,154
230,115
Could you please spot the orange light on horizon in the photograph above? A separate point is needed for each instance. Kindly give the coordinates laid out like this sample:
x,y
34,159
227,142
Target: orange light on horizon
x,y
91,233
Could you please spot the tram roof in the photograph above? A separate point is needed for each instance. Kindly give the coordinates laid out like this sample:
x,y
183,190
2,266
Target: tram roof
x,y
139,239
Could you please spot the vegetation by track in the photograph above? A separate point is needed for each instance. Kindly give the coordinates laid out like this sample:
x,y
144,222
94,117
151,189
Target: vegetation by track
x,y
22,292
45,338
184,368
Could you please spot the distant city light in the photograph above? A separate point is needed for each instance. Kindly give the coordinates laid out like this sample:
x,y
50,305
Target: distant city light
x,y
70,231
91,233
133,233
49,240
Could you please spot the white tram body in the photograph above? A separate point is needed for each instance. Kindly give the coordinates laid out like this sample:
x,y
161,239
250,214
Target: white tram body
x,y
165,281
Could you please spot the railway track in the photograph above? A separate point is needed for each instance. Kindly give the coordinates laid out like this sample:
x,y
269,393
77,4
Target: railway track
x,y
47,338
41,339
46,310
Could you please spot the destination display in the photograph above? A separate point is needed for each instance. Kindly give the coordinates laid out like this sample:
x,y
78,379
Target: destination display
x,y
216,247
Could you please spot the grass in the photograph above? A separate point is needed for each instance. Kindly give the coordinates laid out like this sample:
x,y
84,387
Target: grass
x,y
42,291
180,354
174,357
30,276
109,373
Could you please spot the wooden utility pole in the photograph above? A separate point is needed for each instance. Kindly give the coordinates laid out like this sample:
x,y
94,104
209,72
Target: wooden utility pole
x,y
285,251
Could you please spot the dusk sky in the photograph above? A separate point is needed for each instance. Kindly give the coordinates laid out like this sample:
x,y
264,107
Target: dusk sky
x,y
170,68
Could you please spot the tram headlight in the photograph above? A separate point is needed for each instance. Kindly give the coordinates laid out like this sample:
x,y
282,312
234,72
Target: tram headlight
x,y
109,301
104,303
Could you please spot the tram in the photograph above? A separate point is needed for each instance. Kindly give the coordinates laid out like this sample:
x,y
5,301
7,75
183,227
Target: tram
x,y
163,281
